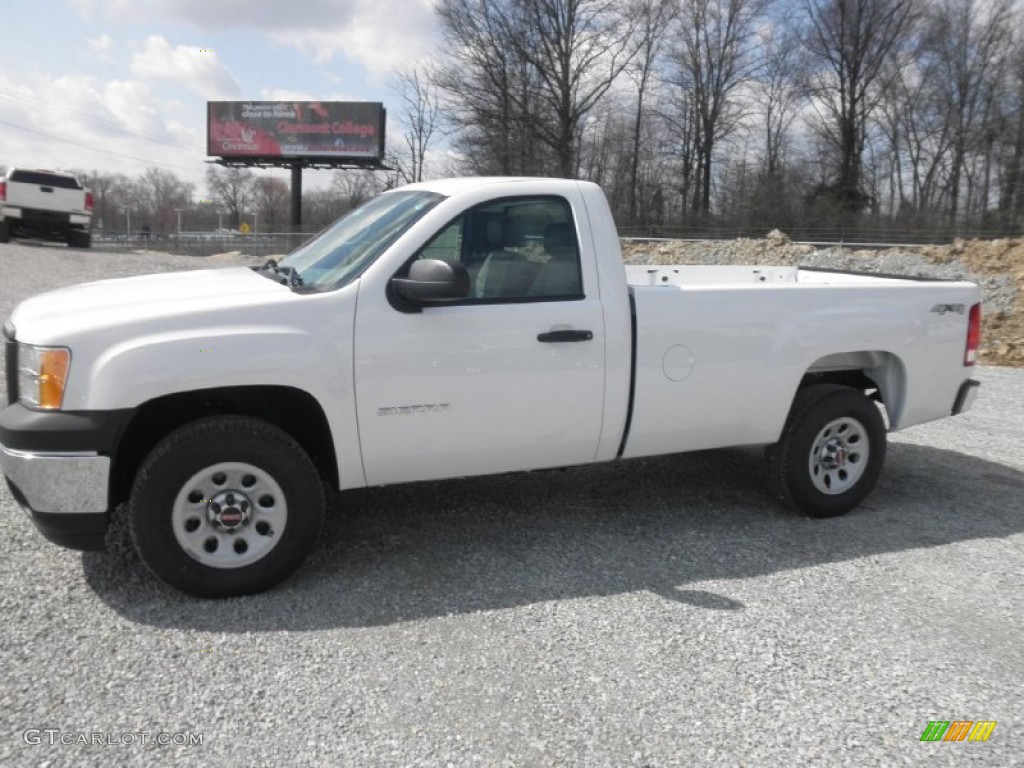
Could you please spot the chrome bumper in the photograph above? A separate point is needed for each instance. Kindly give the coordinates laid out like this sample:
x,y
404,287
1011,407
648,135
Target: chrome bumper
x,y
65,483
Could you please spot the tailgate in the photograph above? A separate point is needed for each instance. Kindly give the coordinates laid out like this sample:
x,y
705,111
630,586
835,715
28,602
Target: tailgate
x,y
45,196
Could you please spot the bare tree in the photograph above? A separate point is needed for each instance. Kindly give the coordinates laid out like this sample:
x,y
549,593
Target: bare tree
x,y
489,90
270,199
419,115
320,207
851,41
714,57
970,42
353,188
230,189
778,90
577,49
109,193
1011,197
682,123
162,193
651,22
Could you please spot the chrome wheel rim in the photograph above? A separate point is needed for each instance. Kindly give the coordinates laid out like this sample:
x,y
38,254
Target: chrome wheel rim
x,y
229,515
839,456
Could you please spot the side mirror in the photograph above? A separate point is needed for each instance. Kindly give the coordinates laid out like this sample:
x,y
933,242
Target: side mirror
x,y
432,280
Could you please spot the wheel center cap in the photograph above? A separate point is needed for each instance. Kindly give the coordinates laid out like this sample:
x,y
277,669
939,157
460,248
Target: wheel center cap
x,y
835,455
229,510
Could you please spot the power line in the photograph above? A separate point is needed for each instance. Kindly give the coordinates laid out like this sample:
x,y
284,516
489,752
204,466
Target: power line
x,y
146,161
100,121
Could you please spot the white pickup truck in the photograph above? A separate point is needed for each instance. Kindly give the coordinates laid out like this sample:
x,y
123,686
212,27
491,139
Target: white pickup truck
x,y
446,329
45,204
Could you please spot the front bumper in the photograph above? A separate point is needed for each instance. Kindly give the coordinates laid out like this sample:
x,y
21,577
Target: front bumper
x,y
65,494
58,467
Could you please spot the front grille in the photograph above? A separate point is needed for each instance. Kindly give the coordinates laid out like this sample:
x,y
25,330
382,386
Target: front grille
x,y
10,362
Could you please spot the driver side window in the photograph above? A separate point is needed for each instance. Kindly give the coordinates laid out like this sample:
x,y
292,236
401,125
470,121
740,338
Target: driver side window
x,y
515,249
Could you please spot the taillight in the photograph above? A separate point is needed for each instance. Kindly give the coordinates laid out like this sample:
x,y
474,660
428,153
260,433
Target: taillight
x,y
3,190
88,201
973,335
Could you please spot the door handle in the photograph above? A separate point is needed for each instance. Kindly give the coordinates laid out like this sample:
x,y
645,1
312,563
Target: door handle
x,y
552,336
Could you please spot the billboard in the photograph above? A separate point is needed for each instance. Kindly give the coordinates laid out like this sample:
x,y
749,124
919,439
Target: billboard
x,y
321,130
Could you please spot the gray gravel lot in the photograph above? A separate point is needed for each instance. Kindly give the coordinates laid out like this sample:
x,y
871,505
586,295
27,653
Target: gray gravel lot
x,y
650,613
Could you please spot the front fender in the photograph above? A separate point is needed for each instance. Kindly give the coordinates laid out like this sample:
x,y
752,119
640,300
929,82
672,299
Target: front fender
x,y
151,365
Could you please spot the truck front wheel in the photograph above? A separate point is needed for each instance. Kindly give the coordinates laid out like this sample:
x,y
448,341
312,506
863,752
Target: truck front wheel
x,y
224,506
831,451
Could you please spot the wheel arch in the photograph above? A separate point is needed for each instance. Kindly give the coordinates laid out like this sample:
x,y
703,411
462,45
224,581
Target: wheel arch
x,y
295,411
864,370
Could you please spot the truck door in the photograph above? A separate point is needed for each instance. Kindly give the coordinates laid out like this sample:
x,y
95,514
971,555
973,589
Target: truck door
x,y
511,378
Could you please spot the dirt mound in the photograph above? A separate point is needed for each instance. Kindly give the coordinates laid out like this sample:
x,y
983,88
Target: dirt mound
x,y
1003,331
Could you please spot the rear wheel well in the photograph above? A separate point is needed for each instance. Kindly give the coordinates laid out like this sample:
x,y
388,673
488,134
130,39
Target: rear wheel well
x,y
296,412
879,375
855,379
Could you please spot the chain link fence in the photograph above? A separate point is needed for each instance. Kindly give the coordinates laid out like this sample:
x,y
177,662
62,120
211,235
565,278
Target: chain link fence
x,y
277,243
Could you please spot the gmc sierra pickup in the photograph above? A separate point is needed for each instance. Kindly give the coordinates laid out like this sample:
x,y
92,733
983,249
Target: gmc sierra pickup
x,y
446,329
45,204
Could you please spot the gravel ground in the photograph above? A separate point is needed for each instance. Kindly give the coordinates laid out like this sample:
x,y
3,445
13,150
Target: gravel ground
x,y
650,613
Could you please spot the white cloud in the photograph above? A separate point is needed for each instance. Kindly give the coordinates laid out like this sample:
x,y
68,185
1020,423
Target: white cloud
x,y
190,66
82,122
101,44
379,34
286,94
86,9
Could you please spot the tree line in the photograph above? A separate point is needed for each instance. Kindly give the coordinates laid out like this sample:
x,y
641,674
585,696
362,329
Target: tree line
x,y
159,201
904,114
849,115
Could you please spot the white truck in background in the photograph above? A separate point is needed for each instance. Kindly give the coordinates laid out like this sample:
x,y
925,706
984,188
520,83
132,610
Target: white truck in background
x,y
447,329
45,204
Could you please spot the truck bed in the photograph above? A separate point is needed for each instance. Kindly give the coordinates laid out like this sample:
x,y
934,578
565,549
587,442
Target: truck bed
x,y
720,350
697,274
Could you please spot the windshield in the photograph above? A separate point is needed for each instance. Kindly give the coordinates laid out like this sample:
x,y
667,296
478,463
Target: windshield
x,y
340,253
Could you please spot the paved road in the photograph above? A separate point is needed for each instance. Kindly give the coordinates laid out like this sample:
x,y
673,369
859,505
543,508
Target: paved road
x,y
651,613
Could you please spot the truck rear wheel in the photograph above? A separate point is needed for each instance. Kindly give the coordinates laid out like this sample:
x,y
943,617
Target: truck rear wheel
x,y
5,232
78,238
224,506
831,451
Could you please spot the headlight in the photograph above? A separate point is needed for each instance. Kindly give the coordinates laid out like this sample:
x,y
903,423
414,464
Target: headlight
x,y
42,374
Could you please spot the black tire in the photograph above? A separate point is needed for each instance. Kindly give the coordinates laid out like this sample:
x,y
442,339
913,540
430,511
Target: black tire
x,y
225,479
77,238
831,451
5,232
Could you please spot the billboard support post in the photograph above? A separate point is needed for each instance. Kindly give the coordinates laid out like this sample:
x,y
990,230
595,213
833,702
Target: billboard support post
x,y
296,196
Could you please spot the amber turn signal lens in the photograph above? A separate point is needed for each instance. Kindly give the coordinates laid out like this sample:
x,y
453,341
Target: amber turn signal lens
x,y
53,375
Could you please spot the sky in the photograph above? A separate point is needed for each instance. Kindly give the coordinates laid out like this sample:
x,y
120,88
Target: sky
x,y
122,85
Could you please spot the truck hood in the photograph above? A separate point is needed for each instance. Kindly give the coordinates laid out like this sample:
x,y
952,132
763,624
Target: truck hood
x,y
51,317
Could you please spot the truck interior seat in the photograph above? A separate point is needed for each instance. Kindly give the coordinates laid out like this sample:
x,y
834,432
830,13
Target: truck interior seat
x,y
505,273
560,275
